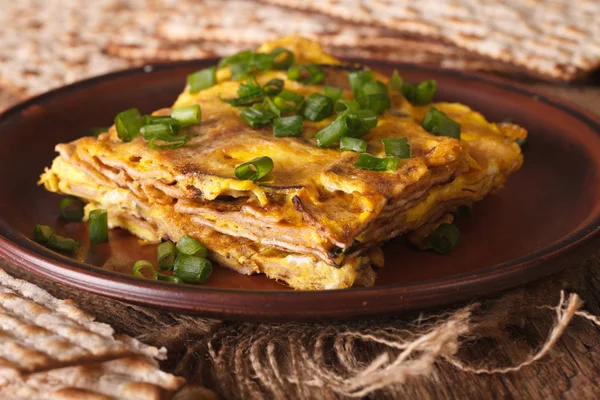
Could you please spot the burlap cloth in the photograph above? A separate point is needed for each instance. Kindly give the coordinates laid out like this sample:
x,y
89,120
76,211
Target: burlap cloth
x,y
532,342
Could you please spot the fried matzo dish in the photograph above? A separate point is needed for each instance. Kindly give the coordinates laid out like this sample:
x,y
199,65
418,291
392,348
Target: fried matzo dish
x,y
287,162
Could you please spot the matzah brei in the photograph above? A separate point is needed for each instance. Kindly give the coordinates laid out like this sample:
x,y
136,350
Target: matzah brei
x,y
558,39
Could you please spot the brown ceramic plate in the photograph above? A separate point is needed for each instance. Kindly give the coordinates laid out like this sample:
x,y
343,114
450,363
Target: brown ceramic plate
x,y
547,215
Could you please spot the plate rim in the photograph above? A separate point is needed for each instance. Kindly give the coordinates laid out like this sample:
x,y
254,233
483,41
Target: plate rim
x,y
45,263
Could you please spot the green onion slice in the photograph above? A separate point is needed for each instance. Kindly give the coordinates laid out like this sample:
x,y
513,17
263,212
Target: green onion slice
x,y
245,63
358,79
439,124
425,92
368,162
317,107
332,132
202,79
141,265
42,233
255,169
175,142
397,147
188,115
444,238
258,117
270,105
282,58
288,102
192,247
421,94
288,126
248,93
160,119
308,74
353,124
409,91
62,243
273,87
375,96
165,255
396,81
128,124
343,105
360,122
353,144
332,92
159,131
464,211
192,269
71,208
98,225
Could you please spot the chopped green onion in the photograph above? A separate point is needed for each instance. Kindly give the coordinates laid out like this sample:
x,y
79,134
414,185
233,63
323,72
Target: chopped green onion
x,y
397,147
375,96
360,122
165,255
425,92
175,143
396,81
258,117
71,208
368,162
159,131
287,126
332,92
343,105
190,246
248,93
358,79
192,269
463,211
188,115
97,131
42,233
62,243
160,119
421,94
353,144
309,74
273,87
353,124
288,101
245,63
317,107
282,58
409,91
444,238
128,124
270,105
98,225
255,169
202,79
521,142
332,132
439,124
141,265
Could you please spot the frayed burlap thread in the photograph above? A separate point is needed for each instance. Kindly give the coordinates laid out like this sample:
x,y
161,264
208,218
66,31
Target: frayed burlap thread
x,y
377,358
